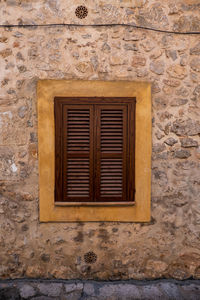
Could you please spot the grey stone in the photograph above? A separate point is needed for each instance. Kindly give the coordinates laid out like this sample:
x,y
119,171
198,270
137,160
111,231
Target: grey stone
x,y
52,289
86,36
11,91
160,102
188,142
132,36
33,137
76,295
157,156
178,102
9,294
170,141
19,84
171,54
186,127
27,291
196,91
24,227
11,2
171,290
89,289
106,48
167,128
195,64
71,287
19,56
75,54
128,291
45,257
187,23
156,290
131,47
157,14
157,148
157,67
182,92
190,292
18,34
161,176
22,69
183,61
119,291
182,153
151,292
159,135
43,298
94,62
155,88
129,11
32,53
195,50
22,111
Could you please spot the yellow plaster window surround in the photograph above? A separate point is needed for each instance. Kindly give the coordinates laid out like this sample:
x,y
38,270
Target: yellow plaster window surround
x,y
47,90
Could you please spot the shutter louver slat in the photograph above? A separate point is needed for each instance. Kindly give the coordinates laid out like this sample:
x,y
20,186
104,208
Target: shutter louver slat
x,y
116,143
109,176
79,181
111,153
78,152
78,140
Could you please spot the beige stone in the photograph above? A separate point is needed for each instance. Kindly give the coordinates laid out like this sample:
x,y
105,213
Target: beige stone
x,y
138,61
116,60
177,71
6,52
83,67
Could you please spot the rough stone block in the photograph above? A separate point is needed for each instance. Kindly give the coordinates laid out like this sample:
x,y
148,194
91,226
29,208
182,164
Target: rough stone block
x,y
190,292
27,291
71,287
119,291
170,290
151,292
10,294
53,289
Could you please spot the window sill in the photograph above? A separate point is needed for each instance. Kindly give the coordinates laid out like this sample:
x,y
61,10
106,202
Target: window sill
x,y
94,203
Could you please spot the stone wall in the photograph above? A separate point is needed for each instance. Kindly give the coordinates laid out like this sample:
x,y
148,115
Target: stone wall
x,y
168,246
22,289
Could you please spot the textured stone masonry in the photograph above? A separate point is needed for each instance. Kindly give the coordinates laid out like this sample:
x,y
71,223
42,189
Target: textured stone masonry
x,y
169,245
94,290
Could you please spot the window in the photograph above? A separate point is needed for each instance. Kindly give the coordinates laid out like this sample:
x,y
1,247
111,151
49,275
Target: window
x,y
59,152
94,148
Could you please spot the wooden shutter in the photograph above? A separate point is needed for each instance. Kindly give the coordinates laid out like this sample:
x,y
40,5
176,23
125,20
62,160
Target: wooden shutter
x,y
77,153
94,146
111,153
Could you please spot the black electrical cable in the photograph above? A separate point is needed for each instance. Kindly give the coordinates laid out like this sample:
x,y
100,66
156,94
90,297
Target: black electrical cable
x,y
97,25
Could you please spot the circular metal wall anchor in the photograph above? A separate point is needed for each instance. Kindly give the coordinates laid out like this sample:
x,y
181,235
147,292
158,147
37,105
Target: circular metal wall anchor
x,y
81,12
90,257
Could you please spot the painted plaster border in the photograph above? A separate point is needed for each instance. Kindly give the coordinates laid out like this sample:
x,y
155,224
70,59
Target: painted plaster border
x,y
46,91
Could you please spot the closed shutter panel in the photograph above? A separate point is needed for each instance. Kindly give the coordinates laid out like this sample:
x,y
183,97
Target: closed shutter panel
x,y
77,153
111,153
94,146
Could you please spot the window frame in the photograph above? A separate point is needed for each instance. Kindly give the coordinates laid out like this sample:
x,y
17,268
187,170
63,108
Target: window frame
x,y
47,90
129,177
